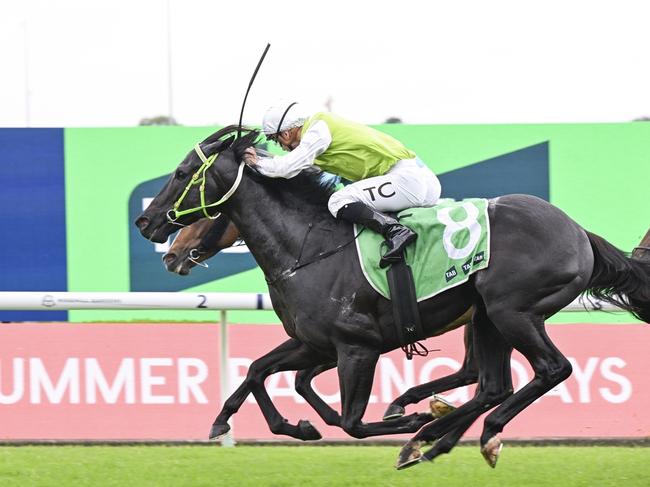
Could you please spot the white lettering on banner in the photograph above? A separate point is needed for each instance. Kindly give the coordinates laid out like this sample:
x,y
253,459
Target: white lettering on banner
x,y
188,382
64,385
624,383
328,398
275,389
19,384
583,377
148,380
166,380
391,376
124,381
68,380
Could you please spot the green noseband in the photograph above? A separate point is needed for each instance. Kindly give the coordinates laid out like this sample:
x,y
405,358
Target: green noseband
x,y
199,178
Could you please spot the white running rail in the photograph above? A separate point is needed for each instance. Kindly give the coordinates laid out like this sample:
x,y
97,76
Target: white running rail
x,y
43,300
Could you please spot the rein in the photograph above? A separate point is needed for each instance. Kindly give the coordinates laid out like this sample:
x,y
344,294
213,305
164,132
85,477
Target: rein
x,y
199,178
322,255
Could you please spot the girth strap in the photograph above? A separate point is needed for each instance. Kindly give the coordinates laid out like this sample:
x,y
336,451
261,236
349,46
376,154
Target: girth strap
x,y
405,309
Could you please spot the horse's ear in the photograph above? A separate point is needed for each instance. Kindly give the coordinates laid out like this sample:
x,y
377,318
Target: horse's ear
x,y
225,143
242,143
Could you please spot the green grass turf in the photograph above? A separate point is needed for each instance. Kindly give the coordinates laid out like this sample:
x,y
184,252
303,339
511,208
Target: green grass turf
x,y
305,466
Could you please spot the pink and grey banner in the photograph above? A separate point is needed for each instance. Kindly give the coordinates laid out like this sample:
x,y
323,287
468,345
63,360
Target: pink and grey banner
x,y
161,382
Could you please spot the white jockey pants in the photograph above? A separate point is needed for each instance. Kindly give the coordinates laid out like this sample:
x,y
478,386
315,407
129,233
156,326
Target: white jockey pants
x,y
408,183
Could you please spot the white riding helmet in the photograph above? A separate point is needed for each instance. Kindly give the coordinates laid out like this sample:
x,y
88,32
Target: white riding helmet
x,y
289,114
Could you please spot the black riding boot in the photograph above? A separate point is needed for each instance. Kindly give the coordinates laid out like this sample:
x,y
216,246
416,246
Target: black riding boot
x,y
397,236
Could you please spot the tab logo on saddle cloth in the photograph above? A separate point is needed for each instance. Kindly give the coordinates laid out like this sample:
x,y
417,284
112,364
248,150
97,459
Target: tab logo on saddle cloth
x,y
453,243
467,266
451,273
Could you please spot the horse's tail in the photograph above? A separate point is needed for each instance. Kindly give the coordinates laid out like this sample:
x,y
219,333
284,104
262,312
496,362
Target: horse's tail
x,y
619,279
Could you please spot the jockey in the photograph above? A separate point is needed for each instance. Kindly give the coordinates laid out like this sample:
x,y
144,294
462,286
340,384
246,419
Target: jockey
x,y
387,177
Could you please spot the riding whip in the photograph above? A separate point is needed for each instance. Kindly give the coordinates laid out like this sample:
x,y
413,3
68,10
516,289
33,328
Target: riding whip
x,y
241,115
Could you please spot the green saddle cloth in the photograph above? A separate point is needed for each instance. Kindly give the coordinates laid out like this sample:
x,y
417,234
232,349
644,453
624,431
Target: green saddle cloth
x,y
453,243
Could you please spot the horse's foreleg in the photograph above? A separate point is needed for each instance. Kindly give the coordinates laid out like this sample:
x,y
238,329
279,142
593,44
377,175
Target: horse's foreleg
x,y
468,374
356,367
290,355
304,388
220,426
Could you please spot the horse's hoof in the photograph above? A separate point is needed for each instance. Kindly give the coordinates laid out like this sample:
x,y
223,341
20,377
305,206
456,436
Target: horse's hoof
x,y
393,412
409,455
491,451
307,431
440,406
218,430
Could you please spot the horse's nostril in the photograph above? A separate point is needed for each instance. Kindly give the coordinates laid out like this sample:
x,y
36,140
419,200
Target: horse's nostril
x,y
169,258
142,222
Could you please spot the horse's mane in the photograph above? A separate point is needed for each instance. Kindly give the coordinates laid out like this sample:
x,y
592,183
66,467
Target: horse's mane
x,y
226,138
311,185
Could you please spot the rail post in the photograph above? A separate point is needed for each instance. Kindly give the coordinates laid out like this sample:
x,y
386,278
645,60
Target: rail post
x,y
224,380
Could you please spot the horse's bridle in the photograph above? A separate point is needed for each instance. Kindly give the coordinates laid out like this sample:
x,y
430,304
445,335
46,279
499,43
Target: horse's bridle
x,y
199,178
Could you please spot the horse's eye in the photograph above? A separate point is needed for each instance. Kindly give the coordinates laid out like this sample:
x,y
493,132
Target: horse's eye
x,y
180,174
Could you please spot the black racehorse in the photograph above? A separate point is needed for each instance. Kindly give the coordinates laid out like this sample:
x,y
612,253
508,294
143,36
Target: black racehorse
x,y
541,260
205,238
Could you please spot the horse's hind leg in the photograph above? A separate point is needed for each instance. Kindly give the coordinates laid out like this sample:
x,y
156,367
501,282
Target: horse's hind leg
x,y
411,454
290,355
468,374
495,384
525,331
